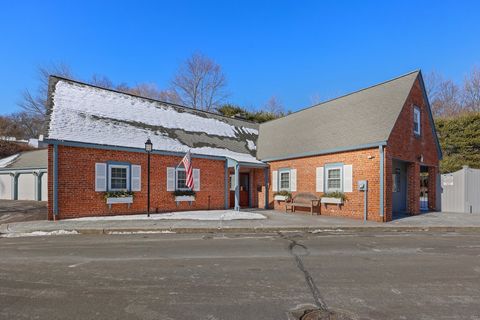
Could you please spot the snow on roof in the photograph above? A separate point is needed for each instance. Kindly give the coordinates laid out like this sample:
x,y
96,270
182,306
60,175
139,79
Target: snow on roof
x,y
8,160
84,113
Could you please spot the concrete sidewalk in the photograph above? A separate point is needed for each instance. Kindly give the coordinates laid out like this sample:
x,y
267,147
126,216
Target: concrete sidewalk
x,y
276,222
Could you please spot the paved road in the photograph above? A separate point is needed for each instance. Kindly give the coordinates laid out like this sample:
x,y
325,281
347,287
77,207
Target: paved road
x,y
19,210
170,276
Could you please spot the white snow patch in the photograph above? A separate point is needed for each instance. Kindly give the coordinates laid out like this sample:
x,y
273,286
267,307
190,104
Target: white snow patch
x,y
104,103
142,232
251,145
326,230
213,215
6,161
40,233
78,106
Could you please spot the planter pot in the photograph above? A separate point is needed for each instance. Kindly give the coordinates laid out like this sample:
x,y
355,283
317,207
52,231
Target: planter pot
x,y
127,200
280,198
338,201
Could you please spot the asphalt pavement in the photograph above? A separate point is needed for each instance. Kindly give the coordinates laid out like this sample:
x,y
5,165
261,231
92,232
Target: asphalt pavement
x,y
365,275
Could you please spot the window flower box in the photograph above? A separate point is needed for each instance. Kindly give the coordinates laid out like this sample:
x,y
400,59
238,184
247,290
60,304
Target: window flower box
x,y
184,198
282,196
119,200
329,200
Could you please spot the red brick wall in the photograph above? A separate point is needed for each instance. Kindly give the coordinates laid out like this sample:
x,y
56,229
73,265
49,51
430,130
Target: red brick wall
x,y
404,145
76,183
363,169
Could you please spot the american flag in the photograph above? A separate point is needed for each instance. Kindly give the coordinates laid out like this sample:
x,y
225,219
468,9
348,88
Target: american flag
x,y
187,163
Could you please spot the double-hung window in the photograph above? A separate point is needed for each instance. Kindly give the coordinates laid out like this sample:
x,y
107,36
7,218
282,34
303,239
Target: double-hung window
x,y
334,178
181,179
284,181
416,120
119,177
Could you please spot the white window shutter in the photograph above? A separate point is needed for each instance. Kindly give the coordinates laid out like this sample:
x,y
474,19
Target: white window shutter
x,y
347,178
275,181
319,179
100,177
196,179
136,178
170,179
293,180
232,182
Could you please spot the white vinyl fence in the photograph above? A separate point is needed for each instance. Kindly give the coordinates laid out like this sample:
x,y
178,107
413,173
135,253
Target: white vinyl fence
x,y
461,191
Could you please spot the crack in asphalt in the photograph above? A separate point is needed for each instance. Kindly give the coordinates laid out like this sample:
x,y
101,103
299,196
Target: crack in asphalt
x,y
317,296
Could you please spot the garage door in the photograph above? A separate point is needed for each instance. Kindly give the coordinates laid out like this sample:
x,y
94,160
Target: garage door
x,y
26,186
5,187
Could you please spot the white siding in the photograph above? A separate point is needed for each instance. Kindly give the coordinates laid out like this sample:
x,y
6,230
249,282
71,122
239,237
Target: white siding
x,y
5,186
26,186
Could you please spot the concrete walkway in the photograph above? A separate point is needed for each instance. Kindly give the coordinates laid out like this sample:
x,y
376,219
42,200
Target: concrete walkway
x,y
276,222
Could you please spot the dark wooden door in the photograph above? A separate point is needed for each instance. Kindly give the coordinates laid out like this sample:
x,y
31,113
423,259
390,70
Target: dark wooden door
x,y
244,189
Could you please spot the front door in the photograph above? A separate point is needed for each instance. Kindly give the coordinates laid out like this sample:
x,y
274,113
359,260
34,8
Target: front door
x,y
399,187
244,189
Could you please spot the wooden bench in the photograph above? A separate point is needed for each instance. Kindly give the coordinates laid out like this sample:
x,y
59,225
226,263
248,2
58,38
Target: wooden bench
x,y
303,199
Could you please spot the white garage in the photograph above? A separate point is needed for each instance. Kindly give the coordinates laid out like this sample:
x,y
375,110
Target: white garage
x,y
24,176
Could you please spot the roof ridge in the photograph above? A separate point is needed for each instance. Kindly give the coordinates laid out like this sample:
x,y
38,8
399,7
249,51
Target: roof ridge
x,y
147,98
346,94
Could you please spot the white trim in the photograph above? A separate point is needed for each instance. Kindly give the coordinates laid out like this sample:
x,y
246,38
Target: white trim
x,y
121,166
347,178
319,176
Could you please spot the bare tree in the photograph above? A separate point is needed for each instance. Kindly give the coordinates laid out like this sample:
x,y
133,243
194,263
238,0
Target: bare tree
x,y
101,81
447,100
34,104
471,91
274,106
200,83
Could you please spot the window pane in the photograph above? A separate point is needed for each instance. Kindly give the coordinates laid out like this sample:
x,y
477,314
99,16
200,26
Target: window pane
x,y
334,179
285,180
334,173
118,179
333,183
181,179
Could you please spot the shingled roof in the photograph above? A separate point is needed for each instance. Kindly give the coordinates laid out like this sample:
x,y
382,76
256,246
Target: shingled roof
x,y
35,159
362,118
79,112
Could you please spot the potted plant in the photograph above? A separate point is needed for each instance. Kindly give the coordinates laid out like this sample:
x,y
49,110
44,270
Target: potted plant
x,y
114,197
184,195
282,196
336,197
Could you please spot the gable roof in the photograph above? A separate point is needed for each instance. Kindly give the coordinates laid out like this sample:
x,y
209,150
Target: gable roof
x,y
36,159
364,118
79,112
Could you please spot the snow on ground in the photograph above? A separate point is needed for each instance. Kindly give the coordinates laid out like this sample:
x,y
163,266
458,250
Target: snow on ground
x,y
6,161
40,233
141,232
212,215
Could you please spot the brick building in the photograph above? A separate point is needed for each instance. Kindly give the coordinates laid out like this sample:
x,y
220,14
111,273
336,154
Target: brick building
x,y
383,134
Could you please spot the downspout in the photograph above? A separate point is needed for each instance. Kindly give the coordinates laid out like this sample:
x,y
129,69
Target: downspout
x,y
237,186
55,181
225,191
382,180
266,172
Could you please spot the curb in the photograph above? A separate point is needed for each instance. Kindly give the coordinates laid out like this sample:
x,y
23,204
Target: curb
x,y
239,230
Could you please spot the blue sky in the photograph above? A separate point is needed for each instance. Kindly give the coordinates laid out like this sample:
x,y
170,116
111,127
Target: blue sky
x,y
295,50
